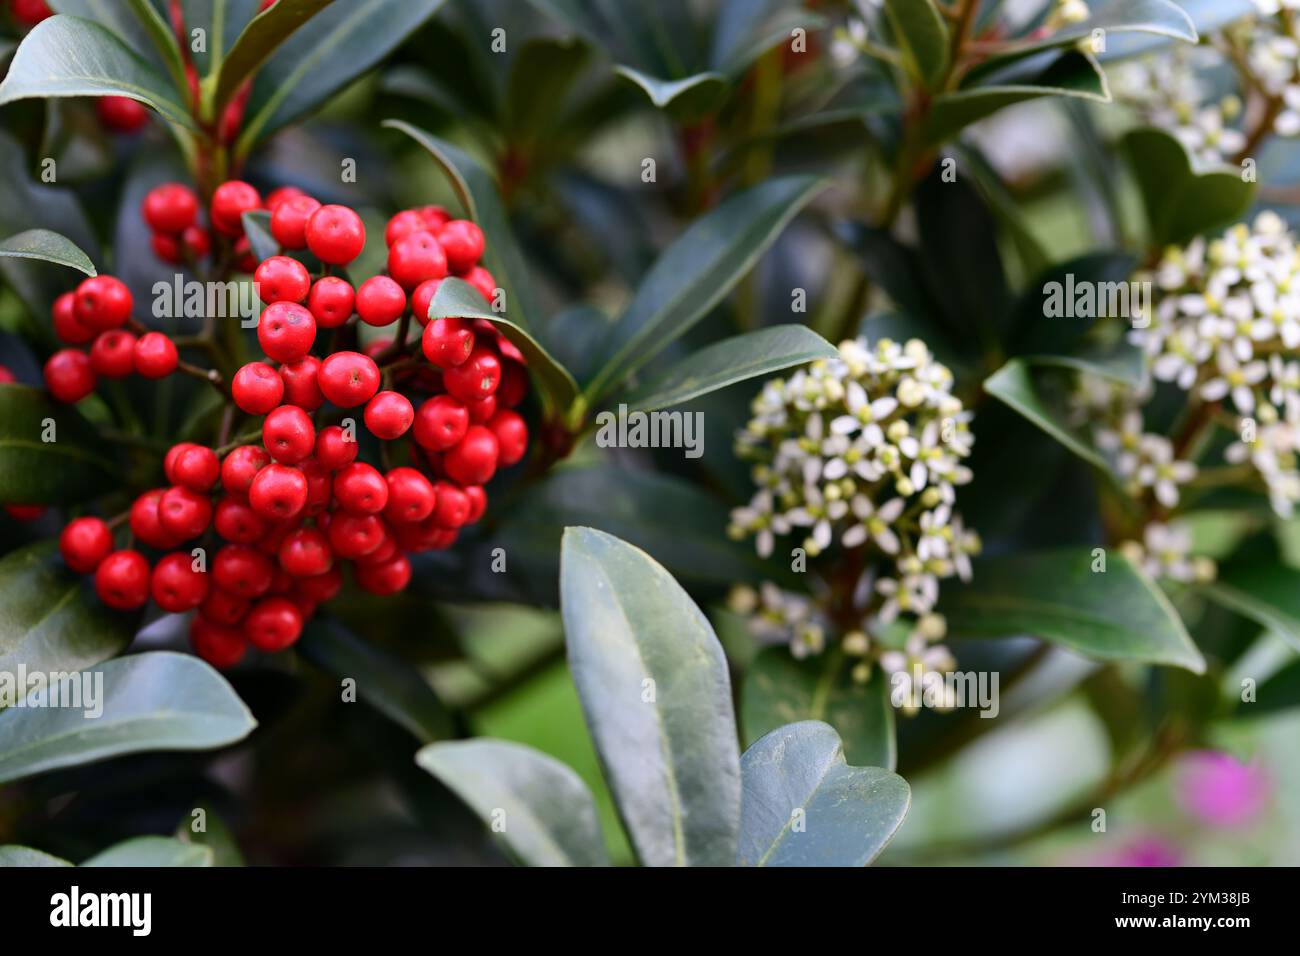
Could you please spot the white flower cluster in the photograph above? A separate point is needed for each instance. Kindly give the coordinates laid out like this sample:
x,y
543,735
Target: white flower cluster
x,y
864,452
1166,552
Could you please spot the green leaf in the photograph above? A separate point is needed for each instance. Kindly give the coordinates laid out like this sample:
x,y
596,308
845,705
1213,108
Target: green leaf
x,y
221,22
50,618
656,695
139,23
457,298
68,56
1158,18
1013,385
73,466
1208,16
922,37
1033,330
1264,591
687,98
780,690
257,42
385,682
1116,614
153,851
803,805
1121,362
1181,201
48,246
1280,691
323,56
155,701
257,227
540,81
540,809
478,193
732,360
696,272
216,837
14,855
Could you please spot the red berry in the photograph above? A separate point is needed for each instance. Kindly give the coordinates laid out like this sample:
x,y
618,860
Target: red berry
x,y
220,646
415,258
222,607
514,384
113,354
175,585
360,489
102,303
440,423
146,523
155,355
195,242
453,506
69,376
334,449
302,383
166,248
170,208
331,301
474,460
434,217
386,578
6,376
67,326
380,301
183,513
286,331
241,466
25,512
288,434
462,241
410,495
270,543
121,114
280,196
245,260
306,553
273,624
512,435
194,467
447,342
422,299
477,502
122,580
482,410
289,220
320,587
238,522
229,203
476,378
335,234
349,379
482,281
278,492
242,571
84,543
354,536
319,485
281,279
402,225
388,415
28,13
257,388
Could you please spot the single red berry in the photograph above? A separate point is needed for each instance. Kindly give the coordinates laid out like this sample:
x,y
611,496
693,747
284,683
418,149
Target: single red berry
x,y
302,383
331,301
25,512
447,342
422,299
512,435
306,553
386,578
220,646
154,356
195,242
281,279
410,495
334,447
380,301
474,459
415,258
170,208
175,585
169,460
476,378
289,220
195,468
183,513
84,543
386,550
278,492
514,384
440,423
288,434
69,376
229,203
388,415
145,521
273,624
483,282
349,379
67,326
402,225
122,580
320,587
353,536
241,466
270,544
245,258
222,607
28,13
335,234
103,303
121,114
166,248
113,354
462,241
278,197
7,377
482,410
242,571
360,489
320,485
286,331
434,217
453,507
257,388
477,502
238,522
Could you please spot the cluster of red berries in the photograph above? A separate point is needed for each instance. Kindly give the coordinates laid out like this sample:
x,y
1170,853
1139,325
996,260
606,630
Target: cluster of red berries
x,y
286,513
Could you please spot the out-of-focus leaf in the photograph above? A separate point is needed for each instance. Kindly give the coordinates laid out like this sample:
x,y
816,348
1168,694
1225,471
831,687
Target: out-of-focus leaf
x,y
262,36
48,246
153,851
14,855
48,452
1013,385
1267,592
922,36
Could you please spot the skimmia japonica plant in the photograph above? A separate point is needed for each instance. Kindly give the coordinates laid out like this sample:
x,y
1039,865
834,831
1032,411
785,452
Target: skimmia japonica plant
x,y
734,432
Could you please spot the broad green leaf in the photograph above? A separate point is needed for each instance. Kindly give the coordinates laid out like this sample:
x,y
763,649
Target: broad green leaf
x,y
153,851
1163,19
1116,614
1102,276
540,81
1005,208
257,42
922,36
155,701
72,465
686,98
1122,362
14,855
68,56
696,272
1280,691
540,809
803,805
50,618
323,56
732,360
1265,592
48,246
656,694
139,23
780,690
1182,201
457,298
1207,16
1013,385
385,682
221,21
257,227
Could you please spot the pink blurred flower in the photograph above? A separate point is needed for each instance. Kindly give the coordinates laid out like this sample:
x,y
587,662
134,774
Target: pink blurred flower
x,y
1220,790
1143,851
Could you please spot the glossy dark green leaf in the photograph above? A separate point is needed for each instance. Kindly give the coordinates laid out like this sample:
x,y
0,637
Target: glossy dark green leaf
x,y
1120,362
536,806
922,37
1265,592
155,701
657,698
14,855
540,81
139,23
153,851
732,360
48,246
69,56
780,690
1161,19
255,44
687,98
696,272
1208,16
1115,614
803,805
72,466
1060,288
1013,384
